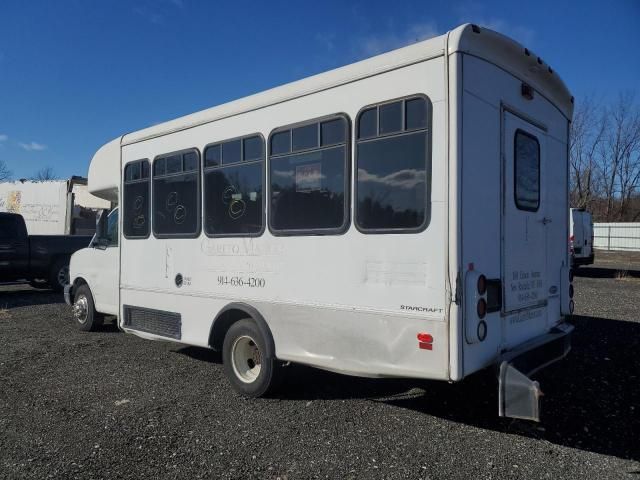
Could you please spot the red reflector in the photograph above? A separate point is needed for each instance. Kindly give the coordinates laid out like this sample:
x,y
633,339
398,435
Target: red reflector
x,y
425,346
425,337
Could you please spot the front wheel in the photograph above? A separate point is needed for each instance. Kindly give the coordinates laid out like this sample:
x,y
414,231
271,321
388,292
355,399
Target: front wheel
x,y
250,368
84,312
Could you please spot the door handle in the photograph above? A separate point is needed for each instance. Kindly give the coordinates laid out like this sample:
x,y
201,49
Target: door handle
x,y
545,220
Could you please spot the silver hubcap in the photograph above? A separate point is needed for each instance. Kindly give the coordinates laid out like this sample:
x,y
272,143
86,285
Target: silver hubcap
x,y
63,276
81,309
246,359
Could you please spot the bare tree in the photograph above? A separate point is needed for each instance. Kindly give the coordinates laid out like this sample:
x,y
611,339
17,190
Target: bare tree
x,y
5,173
44,174
604,149
586,136
624,145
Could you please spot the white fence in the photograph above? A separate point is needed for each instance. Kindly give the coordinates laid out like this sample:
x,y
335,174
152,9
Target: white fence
x,y
617,236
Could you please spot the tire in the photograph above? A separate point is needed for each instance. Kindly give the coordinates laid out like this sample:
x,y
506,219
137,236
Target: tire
x,y
250,367
59,274
84,313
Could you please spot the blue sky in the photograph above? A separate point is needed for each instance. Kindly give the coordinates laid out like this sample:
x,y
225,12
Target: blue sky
x,y
74,74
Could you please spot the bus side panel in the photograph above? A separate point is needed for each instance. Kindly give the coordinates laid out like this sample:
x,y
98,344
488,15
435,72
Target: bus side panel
x,y
353,302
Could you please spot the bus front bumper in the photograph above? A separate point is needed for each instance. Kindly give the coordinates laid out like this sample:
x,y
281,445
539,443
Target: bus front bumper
x,y
518,395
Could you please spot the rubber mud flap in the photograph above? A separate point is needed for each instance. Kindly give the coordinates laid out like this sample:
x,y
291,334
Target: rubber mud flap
x,y
519,396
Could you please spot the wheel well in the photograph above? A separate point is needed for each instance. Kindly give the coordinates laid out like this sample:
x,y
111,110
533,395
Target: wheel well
x,y
78,282
230,315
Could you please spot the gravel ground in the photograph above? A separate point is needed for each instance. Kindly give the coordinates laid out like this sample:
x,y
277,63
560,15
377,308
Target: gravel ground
x,y
109,405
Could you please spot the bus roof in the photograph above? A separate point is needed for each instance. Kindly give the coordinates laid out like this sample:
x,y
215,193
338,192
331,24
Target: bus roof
x,y
484,43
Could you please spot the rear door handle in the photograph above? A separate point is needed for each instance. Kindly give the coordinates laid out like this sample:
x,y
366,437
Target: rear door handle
x,y
545,220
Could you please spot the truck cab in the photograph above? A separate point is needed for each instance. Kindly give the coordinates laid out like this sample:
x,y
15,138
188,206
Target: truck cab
x,y
42,260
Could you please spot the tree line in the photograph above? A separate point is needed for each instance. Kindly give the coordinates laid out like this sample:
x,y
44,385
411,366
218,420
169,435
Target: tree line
x,y
44,174
604,155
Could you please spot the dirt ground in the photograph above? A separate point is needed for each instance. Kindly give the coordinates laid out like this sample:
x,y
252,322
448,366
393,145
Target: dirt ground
x,y
109,405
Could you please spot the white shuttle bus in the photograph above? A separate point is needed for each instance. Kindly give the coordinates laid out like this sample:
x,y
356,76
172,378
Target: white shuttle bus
x,y
403,216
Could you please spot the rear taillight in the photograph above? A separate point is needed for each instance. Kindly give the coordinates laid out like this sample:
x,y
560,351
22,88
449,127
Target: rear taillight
x,y
481,308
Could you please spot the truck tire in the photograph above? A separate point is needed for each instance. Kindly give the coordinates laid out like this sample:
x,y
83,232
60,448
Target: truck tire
x,y
59,274
247,365
84,313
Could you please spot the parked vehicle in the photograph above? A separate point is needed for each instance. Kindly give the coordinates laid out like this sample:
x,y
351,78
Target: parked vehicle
x,y
40,259
55,207
404,216
581,237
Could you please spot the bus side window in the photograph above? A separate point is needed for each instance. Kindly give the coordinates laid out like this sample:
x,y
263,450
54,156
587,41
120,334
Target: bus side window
x,y
309,166
136,196
234,186
393,166
176,195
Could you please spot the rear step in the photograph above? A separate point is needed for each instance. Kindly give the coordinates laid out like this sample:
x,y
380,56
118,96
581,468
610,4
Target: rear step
x,y
518,395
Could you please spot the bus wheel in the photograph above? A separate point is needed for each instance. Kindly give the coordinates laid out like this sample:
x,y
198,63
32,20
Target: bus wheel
x,y
84,312
247,364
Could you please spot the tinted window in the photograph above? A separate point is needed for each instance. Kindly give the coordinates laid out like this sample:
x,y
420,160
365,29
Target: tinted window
x,y
392,175
416,113
112,229
175,197
305,137
391,117
333,132
368,123
233,194
309,190
527,171
190,161
173,164
231,152
135,203
233,200
213,156
159,166
252,148
281,143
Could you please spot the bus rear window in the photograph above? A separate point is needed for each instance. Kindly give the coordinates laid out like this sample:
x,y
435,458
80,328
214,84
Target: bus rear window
x,y
527,171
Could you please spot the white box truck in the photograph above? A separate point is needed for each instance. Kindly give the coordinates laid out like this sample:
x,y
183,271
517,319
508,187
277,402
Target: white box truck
x,y
404,216
55,207
581,237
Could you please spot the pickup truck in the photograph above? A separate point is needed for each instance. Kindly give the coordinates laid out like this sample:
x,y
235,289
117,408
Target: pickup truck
x,y
39,259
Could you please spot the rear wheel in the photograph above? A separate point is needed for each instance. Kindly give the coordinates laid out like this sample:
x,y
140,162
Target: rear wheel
x,y
59,274
84,312
251,369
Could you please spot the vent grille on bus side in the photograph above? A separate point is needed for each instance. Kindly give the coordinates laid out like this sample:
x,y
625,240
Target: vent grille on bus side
x,y
157,322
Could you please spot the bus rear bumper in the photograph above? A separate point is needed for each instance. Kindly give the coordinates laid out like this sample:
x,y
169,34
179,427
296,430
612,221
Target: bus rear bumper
x,y
518,395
